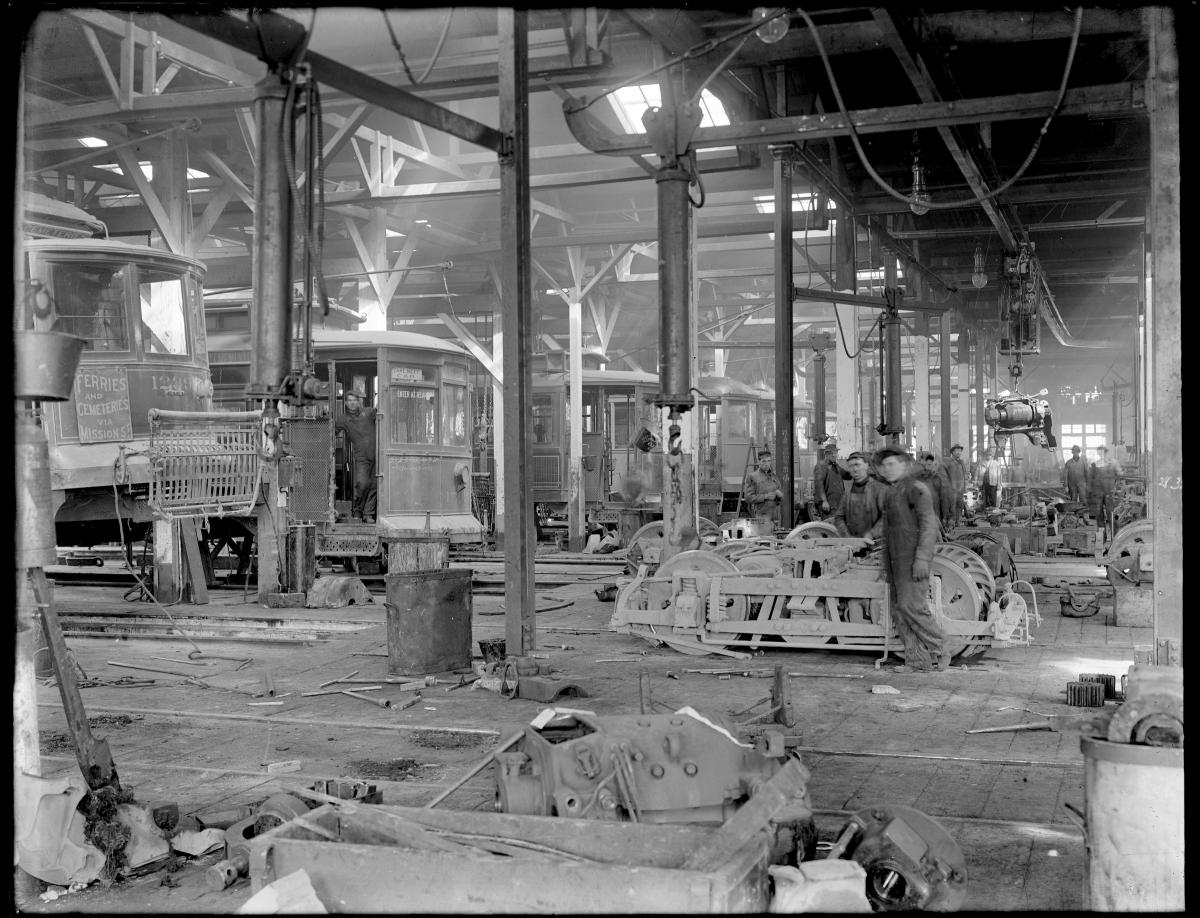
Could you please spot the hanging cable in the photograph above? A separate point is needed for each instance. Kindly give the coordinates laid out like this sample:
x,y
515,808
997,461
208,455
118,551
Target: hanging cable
x,y
842,332
416,81
974,199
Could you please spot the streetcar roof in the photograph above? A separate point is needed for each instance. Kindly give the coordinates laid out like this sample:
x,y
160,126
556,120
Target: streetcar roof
x,y
115,247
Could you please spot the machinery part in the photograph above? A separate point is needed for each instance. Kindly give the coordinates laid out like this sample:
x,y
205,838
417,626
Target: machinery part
x,y
959,600
1153,699
1108,680
760,561
735,548
816,529
1027,414
971,562
689,646
910,860
694,566
736,530
1085,694
1139,532
653,768
224,874
278,809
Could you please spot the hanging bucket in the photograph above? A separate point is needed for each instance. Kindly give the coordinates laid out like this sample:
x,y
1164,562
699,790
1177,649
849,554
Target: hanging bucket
x,y
46,363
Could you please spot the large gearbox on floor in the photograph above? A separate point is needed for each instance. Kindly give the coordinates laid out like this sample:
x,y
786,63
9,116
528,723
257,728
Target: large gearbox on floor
x,y
653,768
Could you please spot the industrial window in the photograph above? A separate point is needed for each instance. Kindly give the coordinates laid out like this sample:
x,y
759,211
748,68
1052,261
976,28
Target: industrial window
x,y
89,301
164,328
454,415
1086,436
412,415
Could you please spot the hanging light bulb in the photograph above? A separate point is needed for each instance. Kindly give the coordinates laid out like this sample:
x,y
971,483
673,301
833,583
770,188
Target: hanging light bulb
x,y
979,278
770,32
918,201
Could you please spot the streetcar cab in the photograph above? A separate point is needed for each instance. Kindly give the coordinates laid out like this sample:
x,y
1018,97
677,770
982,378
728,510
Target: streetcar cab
x,y
420,386
139,311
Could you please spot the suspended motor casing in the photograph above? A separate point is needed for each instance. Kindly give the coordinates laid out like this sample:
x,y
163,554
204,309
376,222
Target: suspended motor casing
x,y
1026,414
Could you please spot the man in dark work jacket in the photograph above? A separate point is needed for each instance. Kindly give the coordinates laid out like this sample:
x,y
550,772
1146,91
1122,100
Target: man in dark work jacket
x,y
910,534
860,513
359,423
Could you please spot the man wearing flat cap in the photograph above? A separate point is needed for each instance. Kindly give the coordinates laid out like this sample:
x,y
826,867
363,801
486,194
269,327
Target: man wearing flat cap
x,y
860,513
828,482
1075,476
762,490
956,471
911,529
358,421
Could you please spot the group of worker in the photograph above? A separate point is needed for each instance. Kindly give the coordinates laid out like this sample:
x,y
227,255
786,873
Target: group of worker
x,y
905,507
1093,484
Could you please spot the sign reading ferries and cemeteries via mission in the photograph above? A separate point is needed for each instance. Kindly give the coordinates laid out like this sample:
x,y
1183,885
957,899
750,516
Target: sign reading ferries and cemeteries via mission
x,y
102,405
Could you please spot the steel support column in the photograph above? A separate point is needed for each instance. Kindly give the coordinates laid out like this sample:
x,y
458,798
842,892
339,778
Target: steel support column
x,y
944,383
785,428
981,443
270,325
1165,489
520,539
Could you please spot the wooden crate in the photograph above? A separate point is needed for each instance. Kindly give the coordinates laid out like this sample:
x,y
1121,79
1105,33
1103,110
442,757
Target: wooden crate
x,y
401,859
418,554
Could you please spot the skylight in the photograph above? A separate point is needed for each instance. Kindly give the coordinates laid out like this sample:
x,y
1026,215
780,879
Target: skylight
x,y
630,102
93,142
148,170
801,201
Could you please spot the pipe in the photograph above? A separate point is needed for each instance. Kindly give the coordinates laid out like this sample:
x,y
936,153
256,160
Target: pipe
x,y
785,427
270,326
674,287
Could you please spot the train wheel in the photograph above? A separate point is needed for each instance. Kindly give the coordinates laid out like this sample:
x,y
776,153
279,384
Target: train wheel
x,y
817,529
961,601
974,565
1141,531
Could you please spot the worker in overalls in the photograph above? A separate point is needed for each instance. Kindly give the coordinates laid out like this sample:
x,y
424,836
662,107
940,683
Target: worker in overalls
x,y
1075,477
358,421
762,489
911,529
957,472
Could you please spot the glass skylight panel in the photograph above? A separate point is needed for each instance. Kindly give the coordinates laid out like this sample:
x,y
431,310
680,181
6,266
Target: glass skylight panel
x,y
631,102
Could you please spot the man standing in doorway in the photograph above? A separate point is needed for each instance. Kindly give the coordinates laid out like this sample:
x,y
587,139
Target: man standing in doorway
x,y
991,474
828,478
762,490
1075,477
911,529
956,471
358,421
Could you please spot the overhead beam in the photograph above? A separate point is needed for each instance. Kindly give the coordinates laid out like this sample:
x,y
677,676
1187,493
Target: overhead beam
x,y
248,36
1089,101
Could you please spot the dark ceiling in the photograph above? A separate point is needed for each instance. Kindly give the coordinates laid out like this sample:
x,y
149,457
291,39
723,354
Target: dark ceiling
x,y
1082,199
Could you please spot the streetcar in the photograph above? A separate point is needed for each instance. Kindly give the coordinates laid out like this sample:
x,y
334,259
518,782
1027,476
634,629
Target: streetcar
x,y
622,461
140,314
422,388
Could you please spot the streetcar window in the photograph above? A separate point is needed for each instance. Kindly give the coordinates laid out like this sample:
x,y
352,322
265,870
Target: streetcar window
x,y
590,410
89,302
164,329
543,419
454,415
737,420
412,415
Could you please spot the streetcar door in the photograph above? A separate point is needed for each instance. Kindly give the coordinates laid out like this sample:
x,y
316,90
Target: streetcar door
x,y
593,463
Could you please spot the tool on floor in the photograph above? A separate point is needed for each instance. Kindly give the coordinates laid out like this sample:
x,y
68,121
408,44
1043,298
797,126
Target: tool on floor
x,y
338,691
416,699
378,702
242,662
332,681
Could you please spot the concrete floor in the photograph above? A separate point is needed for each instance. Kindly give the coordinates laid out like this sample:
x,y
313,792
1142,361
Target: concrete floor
x,y
1002,796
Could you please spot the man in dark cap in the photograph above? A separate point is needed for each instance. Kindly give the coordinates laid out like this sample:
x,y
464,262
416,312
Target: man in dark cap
x,y
828,478
938,482
956,471
762,490
911,529
359,424
860,513
1075,477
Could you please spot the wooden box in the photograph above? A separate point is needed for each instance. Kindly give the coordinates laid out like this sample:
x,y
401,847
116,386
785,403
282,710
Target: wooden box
x,y
380,858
